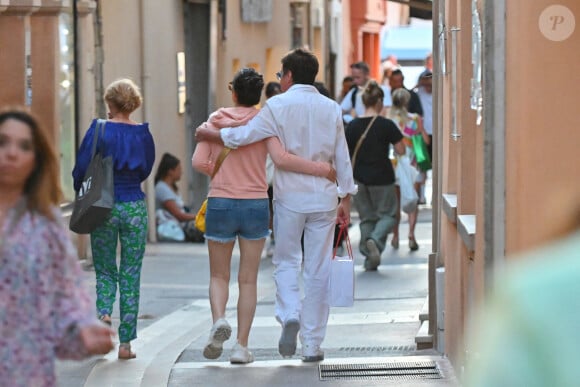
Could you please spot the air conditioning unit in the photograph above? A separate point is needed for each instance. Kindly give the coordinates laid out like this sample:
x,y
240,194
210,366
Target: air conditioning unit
x,y
318,18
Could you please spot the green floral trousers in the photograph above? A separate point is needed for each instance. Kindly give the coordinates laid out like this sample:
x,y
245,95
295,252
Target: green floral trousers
x,y
128,224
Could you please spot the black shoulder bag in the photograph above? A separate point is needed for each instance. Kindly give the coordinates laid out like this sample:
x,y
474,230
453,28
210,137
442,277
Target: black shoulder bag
x,y
96,197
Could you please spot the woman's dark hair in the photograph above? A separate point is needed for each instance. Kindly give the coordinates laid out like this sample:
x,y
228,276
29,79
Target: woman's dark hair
x,y
42,187
167,163
248,85
372,94
303,64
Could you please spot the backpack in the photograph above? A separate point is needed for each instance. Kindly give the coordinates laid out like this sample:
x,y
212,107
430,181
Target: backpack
x,y
354,89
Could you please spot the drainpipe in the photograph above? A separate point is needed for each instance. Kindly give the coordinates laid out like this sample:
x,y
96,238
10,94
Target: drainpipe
x,y
76,93
213,53
494,101
436,295
145,88
100,110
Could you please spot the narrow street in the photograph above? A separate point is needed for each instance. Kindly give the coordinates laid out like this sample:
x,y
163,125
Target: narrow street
x,y
175,320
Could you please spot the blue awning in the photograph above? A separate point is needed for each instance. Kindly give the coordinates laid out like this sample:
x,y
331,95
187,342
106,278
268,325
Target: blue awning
x,y
407,43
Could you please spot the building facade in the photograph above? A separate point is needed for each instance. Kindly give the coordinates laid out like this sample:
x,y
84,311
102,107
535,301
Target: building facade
x,y
58,56
505,145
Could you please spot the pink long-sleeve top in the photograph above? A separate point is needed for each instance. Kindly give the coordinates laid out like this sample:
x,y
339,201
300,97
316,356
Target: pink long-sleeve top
x,y
242,174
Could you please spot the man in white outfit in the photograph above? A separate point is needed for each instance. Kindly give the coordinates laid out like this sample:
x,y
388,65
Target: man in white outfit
x,y
308,125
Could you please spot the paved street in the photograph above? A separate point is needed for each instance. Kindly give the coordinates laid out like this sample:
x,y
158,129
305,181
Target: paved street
x,y
175,320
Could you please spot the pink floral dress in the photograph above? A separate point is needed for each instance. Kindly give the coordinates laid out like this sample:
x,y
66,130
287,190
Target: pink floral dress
x,y
42,299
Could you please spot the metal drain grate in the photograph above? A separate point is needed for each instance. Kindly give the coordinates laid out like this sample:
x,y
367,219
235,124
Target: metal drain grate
x,y
390,348
380,371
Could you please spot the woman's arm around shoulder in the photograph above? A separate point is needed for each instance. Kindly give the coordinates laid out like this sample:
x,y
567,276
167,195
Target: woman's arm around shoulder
x,y
287,161
202,160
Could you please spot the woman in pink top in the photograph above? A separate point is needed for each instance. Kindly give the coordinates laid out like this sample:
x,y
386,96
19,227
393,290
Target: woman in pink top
x,y
238,207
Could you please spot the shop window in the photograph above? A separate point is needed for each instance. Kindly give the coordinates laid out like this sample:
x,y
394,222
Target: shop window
x,y
299,19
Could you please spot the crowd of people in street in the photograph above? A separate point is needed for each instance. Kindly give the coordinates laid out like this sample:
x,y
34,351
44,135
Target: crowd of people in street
x,y
287,171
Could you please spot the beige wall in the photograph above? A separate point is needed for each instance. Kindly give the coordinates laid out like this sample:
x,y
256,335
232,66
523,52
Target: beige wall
x,y
260,45
542,179
136,47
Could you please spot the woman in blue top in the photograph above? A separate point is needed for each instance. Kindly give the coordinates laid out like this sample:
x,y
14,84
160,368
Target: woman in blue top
x,y
133,151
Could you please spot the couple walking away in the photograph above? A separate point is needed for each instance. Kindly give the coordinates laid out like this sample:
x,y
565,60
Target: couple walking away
x,y
304,203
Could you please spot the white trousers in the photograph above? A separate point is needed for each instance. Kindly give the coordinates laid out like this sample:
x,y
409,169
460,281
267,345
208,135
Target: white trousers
x,y
312,311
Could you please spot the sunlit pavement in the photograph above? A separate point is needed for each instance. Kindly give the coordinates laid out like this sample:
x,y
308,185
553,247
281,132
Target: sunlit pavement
x,y
175,320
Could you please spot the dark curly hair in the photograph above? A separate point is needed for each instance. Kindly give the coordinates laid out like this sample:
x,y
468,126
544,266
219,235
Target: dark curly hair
x,y
248,85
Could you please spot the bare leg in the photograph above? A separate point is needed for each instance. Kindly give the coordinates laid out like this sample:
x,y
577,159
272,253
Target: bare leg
x,y
395,240
412,223
220,257
250,251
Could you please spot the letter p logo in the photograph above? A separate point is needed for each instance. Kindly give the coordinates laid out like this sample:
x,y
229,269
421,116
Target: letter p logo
x,y
557,23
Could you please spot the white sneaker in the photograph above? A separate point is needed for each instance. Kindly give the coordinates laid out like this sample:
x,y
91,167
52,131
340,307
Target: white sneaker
x,y
270,250
220,332
241,355
312,353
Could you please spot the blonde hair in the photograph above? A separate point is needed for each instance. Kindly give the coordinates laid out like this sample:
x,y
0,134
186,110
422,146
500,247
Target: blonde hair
x,y
372,94
124,94
398,112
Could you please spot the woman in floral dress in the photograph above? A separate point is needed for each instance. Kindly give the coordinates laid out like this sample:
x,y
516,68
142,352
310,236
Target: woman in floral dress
x,y
45,311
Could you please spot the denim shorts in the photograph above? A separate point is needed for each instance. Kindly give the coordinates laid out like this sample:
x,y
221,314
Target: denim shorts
x,y
227,218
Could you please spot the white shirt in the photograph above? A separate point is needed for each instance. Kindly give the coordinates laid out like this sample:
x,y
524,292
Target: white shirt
x,y
427,104
359,106
309,125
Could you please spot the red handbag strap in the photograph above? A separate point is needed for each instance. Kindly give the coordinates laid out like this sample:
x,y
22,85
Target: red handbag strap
x,y
343,231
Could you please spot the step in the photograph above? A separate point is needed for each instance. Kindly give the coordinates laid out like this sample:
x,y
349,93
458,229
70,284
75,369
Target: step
x,y
423,339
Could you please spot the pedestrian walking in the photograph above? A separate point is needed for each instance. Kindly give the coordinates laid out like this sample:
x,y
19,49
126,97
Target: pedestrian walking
x,y
133,151
397,81
425,93
272,89
46,311
309,125
369,138
237,208
409,124
352,104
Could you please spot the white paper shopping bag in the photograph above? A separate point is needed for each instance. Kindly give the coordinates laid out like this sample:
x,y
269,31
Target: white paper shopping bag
x,y
342,276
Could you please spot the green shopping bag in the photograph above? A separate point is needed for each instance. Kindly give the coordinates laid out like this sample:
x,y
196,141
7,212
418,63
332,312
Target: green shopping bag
x,y
421,153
